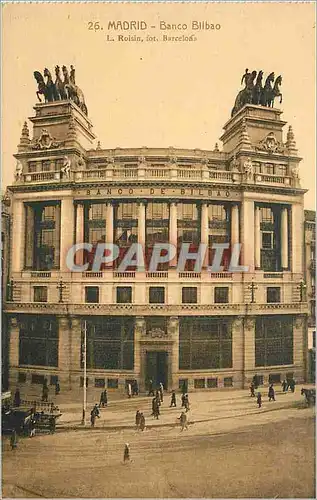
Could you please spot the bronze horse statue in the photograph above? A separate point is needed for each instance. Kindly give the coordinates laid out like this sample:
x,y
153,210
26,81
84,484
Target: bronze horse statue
x,y
245,95
74,92
276,90
258,87
59,84
41,87
266,95
50,86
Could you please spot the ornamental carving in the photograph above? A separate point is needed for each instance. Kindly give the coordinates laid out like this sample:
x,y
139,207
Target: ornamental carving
x,y
45,141
270,144
299,322
140,326
18,171
156,333
248,168
249,323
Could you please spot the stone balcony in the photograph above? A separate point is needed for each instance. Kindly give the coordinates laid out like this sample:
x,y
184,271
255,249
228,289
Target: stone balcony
x,y
155,309
180,175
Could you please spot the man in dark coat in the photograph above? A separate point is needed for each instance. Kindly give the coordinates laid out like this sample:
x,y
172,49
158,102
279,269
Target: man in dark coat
x,y
126,453
137,419
259,400
252,388
45,393
173,399
271,393
292,385
183,400
142,422
17,398
284,385
57,389
135,388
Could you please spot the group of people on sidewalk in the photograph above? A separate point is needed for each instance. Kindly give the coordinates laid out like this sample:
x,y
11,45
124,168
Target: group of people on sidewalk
x,y
271,392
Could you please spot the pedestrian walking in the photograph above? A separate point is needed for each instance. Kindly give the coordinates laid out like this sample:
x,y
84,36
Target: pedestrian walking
x,y
14,440
161,391
126,453
153,405
17,397
57,388
32,425
158,397
137,419
142,422
129,390
105,397
252,388
292,385
183,399
271,393
259,400
151,391
183,421
255,381
101,402
92,418
186,403
173,399
284,385
156,409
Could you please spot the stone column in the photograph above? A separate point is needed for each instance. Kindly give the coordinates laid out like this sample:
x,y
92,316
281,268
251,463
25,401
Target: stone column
x,y
67,231
249,349
109,223
75,351
297,218
29,237
14,342
204,231
64,351
234,224
284,239
299,347
238,351
139,332
79,232
257,237
173,230
141,224
247,233
18,231
173,334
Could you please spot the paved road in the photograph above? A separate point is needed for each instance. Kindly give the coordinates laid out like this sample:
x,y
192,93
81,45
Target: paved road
x,y
237,451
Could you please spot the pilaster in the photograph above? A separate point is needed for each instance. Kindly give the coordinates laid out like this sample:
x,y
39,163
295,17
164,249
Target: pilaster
x,y
18,231
14,336
75,347
173,333
247,233
139,331
64,351
67,230
238,350
249,349
173,230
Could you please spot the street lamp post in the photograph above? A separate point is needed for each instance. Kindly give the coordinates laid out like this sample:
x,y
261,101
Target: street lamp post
x,y
252,288
85,373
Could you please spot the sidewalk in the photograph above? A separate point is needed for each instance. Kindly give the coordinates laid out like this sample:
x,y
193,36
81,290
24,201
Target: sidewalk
x,y
204,407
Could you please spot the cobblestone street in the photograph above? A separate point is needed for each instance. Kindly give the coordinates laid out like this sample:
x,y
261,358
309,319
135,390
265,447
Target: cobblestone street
x,y
231,449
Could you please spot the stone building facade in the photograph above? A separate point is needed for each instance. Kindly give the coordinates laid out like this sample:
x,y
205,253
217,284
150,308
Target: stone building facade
x,y
209,329
310,272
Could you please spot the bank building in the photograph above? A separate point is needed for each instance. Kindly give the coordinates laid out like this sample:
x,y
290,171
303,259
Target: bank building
x,y
202,328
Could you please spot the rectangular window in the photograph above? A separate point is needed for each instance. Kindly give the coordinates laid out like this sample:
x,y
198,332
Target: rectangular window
x,y
217,213
228,382
274,340
37,379
183,384
40,293
267,240
221,295
189,295
199,383
92,294
267,215
124,294
112,383
273,294
314,338
212,383
32,166
269,169
100,382
38,341
157,295
97,211
274,378
204,343
46,166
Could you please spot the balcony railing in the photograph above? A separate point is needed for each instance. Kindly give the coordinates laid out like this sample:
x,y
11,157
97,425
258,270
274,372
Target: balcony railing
x,y
167,172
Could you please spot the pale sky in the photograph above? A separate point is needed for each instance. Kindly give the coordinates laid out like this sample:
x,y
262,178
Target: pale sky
x,y
161,94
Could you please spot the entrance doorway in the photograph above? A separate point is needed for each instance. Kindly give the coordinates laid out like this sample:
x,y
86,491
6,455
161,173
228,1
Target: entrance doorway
x,y
157,368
